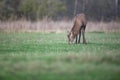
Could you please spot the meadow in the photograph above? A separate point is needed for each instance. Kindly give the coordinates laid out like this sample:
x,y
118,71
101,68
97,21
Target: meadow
x,y
47,56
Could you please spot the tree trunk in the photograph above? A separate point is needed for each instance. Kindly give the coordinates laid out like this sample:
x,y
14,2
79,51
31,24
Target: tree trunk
x,y
75,8
116,9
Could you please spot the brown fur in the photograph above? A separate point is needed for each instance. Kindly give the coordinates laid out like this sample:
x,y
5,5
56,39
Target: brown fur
x,y
78,28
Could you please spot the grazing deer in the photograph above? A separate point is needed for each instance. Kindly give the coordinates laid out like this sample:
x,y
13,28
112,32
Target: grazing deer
x,y
78,28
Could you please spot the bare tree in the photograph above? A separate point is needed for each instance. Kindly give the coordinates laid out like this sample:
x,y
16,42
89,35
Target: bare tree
x,y
116,9
84,3
75,8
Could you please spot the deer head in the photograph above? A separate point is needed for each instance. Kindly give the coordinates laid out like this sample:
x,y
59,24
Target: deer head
x,y
70,38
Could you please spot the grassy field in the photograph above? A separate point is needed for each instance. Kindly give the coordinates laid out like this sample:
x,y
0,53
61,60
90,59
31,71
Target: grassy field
x,y
47,56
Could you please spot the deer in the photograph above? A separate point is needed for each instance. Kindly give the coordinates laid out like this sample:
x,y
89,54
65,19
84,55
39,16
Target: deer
x,y
78,28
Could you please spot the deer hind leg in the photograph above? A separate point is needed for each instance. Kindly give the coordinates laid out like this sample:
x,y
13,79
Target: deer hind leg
x,y
76,41
83,34
79,36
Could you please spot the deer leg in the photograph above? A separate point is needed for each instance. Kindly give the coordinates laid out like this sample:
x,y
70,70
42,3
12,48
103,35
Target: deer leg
x,y
79,36
76,40
83,34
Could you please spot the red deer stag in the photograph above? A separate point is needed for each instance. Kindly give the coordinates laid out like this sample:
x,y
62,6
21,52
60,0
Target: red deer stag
x,y
78,28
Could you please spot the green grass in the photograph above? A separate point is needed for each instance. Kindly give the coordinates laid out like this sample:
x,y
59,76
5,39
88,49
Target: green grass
x,y
47,56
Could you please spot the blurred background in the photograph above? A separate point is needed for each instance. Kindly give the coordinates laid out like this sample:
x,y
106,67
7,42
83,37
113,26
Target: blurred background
x,y
45,15
106,10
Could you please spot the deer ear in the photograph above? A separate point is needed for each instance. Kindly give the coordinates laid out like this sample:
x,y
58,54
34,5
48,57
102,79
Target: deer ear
x,y
67,31
67,35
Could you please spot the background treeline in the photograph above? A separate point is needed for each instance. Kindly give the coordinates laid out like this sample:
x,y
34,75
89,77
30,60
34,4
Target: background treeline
x,y
106,10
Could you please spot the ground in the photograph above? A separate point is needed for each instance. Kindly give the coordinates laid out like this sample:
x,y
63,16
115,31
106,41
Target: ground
x,y
47,56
